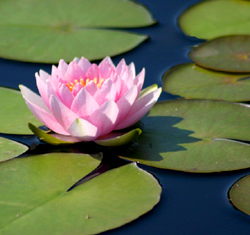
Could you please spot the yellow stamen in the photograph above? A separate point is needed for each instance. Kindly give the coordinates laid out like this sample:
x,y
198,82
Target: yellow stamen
x,y
100,82
84,83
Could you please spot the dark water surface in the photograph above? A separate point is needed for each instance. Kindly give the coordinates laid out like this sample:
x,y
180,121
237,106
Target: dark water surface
x,y
194,204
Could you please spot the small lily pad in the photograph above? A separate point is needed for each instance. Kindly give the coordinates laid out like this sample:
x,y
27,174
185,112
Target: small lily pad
x,y
229,54
195,136
63,29
35,198
14,113
10,149
239,194
194,82
212,19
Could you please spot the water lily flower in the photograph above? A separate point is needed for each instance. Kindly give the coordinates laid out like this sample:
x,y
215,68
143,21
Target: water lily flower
x,y
85,101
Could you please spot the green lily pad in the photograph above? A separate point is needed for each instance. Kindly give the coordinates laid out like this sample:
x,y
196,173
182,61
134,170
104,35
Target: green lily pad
x,y
63,29
192,81
115,139
195,136
14,113
35,198
211,19
239,194
229,54
10,149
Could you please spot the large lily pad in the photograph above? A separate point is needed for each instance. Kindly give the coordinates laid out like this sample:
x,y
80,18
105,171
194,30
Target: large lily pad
x,y
211,19
192,81
46,31
35,197
10,149
229,54
239,194
14,113
195,136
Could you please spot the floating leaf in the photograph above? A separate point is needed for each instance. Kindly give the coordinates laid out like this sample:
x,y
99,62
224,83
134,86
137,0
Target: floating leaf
x,y
195,136
34,196
111,139
14,113
229,54
192,81
211,19
239,194
10,149
63,29
114,139
53,139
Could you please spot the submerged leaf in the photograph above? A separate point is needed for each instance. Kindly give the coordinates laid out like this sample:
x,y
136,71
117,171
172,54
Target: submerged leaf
x,y
34,196
192,81
211,19
195,136
63,29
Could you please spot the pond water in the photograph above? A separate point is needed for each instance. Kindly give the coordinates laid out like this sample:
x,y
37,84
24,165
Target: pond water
x,y
190,203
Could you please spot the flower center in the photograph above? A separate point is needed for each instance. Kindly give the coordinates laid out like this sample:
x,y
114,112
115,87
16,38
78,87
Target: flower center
x,y
83,82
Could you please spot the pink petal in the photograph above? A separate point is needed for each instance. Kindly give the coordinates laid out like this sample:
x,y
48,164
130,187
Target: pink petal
x,y
84,64
43,75
66,95
121,67
128,78
91,88
76,60
62,113
83,130
42,88
124,104
118,85
76,89
73,73
62,67
106,68
124,87
56,76
139,80
105,117
139,109
93,72
131,70
41,111
84,104
107,92
107,60
50,92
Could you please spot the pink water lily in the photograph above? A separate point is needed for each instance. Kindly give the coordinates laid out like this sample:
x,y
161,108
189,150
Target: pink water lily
x,y
87,101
